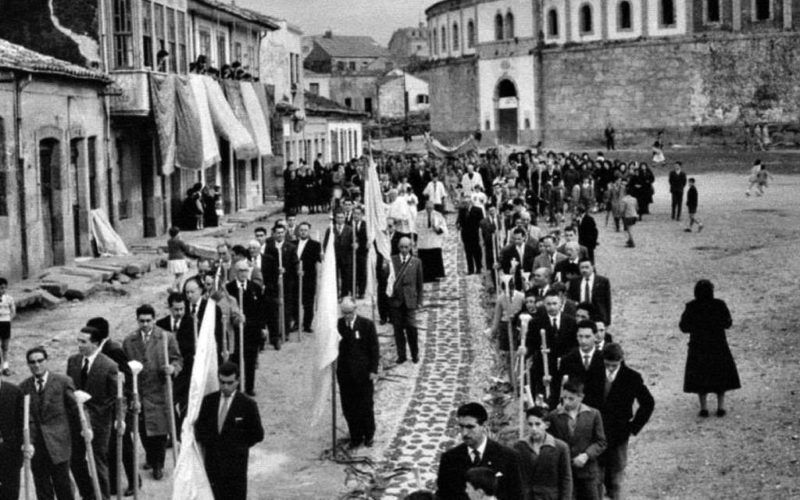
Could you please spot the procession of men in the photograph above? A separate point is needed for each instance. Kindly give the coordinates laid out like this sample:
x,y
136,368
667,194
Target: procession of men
x,y
530,243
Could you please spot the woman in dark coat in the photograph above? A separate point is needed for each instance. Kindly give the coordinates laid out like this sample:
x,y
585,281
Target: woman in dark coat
x,y
709,365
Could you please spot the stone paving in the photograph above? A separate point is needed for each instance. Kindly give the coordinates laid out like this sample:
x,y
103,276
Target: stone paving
x,y
427,427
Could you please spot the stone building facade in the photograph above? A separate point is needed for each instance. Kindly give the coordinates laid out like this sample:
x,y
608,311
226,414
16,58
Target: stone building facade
x,y
408,43
562,70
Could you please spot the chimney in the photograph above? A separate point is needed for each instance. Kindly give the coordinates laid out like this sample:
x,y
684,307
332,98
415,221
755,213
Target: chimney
x,y
328,34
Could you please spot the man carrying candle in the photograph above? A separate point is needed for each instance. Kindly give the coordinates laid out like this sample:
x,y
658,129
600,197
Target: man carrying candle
x,y
96,374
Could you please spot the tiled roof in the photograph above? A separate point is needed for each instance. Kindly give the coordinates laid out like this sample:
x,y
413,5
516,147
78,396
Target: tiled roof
x,y
13,56
351,46
316,104
242,13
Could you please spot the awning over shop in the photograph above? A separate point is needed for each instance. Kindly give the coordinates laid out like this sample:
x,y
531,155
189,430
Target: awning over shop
x,y
259,117
226,123
209,138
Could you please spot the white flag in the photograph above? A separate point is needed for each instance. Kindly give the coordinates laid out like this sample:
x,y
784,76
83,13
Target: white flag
x,y
326,335
375,212
191,481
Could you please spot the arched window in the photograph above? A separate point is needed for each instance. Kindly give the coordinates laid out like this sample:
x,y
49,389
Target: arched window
x,y
509,25
498,27
552,22
470,34
667,12
444,39
624,19
586,18
712,11
455,36
434,41
763,10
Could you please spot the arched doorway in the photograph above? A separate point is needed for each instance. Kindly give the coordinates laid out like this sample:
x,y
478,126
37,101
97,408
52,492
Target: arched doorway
x,y
507,105
52,214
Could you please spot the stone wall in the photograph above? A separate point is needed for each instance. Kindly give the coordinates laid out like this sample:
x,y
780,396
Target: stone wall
x,y
454,99
694,89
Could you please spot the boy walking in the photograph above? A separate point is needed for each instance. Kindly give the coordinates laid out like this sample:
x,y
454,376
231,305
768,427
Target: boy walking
x,y
691,206
8,310
581,427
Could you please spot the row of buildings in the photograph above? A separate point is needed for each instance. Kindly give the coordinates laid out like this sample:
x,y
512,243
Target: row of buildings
x,y
123,105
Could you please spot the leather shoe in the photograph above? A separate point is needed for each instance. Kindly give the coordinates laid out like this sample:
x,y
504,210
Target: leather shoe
x,y
277,345
251,394
721,413
128,492
369,442
146,466
703,413
400,361
158,473
353,445
415,359
383,322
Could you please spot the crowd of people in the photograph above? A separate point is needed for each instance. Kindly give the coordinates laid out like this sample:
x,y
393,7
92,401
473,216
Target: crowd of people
x,y
527,219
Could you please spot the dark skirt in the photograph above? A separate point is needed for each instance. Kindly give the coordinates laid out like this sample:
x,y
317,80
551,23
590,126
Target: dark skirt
x,y
432,264
710,368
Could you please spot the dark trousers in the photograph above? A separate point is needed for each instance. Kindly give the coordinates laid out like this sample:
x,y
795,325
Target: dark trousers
x,y
585,488
252,342
344,269
80,467
612,463
677,201
309,290
9,482
357,406
361,273
590,253
273,319
155,447
51,480
226,484
472,247
127,459
490,261
405,329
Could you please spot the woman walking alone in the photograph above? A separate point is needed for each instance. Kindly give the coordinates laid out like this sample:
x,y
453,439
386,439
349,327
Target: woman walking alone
x,y
709,364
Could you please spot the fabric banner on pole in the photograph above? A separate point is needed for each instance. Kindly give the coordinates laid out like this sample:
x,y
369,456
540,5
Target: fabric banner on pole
x,y
209,138
225,122
191,481
375,214
233,93
187,127
439,150
259,118
162,97
326,335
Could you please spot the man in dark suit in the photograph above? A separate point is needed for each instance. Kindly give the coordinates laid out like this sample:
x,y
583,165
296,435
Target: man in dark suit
x,y
477,450
622,387
113,350
309,253
677,181
405,299
279,262
560,330
592,288
54,422
587,231
469,222
571,235
584,363
186,336
419,179
227,426
10,439
523,253
343,247
95,373
360,233
393,235
356,371
490,226
252,307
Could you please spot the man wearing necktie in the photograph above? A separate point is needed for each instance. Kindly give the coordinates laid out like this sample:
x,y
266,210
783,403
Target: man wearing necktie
x,y
584,363
96,374
227,426
146,345
356,372
54,423
476,450
594,289
343,248
252,307
431,230
405,299
360,235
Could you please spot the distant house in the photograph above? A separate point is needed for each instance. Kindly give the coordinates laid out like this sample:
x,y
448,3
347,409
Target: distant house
x,y
399,92
408,43
336,54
